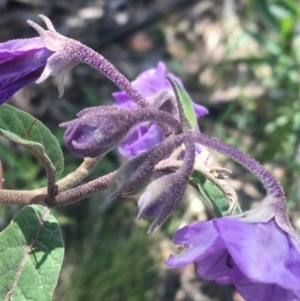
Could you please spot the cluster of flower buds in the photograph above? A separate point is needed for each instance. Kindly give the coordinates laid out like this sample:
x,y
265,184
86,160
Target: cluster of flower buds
x,y
258,251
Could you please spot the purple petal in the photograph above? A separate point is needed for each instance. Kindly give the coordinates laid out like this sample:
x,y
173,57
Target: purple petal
x,y
140,139
9,90
123,101
14,70
15,48
262,292
149,83
22,61
152,81
200,110
262,251
202,241
256,291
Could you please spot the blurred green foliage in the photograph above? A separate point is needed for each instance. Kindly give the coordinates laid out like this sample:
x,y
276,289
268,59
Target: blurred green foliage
x,y
110,257
272,121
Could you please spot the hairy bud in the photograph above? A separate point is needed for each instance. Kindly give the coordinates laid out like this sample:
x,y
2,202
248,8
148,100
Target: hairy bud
x,y
98,130
136,172
133,175
163,195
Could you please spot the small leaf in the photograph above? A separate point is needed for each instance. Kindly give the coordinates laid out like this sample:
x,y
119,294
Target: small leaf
x,y
25,130
185,106
31,254
213,196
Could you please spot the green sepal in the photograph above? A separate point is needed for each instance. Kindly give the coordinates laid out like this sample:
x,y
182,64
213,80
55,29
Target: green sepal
x,y
31,254
213,196
25,130
185,107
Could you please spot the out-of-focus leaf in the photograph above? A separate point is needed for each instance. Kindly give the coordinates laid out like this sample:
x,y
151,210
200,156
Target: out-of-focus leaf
x,y
267,17
270,46
291,5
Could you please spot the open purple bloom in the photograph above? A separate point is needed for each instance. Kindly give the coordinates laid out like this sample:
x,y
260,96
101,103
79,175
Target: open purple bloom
x,y
21,62
150,84
260,259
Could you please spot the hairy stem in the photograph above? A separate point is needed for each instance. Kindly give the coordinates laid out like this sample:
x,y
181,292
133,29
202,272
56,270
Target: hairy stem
x,y
97,61
81,192
270,183
78,175
71,52
27,197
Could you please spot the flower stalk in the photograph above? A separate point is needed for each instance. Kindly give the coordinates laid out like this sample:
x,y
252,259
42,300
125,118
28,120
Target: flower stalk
x,y
72,52
269,182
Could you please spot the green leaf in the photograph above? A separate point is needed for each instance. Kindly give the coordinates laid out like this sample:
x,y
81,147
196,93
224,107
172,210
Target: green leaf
x,y
268,44
213,196
291,5
31,254
185,107
25,130
267,17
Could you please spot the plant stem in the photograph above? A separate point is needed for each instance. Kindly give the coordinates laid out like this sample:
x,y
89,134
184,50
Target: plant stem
x,y
269,182
97,61
81,192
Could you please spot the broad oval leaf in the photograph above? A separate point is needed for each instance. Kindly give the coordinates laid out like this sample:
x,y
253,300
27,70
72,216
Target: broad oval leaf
x,y
25,130
185,107
31,254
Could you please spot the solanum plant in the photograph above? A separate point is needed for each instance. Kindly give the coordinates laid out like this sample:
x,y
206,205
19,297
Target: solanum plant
x,y
154,124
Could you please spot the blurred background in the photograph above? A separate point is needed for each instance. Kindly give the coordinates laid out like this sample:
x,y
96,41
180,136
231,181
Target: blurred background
x,y
239,58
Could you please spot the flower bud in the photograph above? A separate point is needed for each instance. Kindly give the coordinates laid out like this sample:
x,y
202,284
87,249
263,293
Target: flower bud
x,y
133,175
98,130
163,195
136,172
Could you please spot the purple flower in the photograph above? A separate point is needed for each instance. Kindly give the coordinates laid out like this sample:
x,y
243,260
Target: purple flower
x,y
150,84
21,62
260,259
